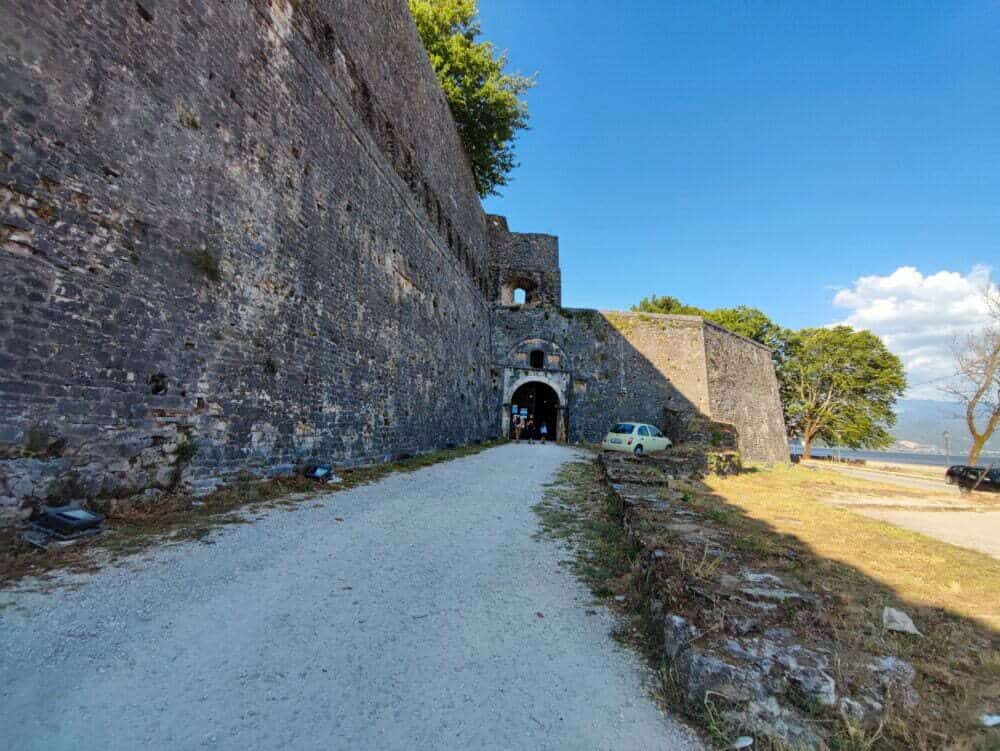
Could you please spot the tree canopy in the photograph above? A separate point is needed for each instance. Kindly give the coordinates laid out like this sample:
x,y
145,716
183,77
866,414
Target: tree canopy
x,y
840,386
484,100
666,304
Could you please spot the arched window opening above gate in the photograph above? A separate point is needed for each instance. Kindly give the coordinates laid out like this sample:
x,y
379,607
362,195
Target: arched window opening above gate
x,y
519,290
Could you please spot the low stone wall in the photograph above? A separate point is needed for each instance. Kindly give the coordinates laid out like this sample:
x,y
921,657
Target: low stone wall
x,y
741,640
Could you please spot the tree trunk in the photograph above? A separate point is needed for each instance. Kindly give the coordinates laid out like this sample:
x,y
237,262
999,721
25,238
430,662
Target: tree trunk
x,y
977,448
807,447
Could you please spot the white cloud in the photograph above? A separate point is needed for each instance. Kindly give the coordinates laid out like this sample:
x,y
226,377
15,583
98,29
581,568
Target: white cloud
x,y
919,318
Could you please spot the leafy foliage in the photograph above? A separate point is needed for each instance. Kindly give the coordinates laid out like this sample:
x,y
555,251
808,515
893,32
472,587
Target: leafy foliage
x,y
840,385
484,100
668,305
753,324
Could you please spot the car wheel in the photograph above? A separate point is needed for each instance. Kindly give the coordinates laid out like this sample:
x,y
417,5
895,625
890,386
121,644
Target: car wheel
x,y
637,450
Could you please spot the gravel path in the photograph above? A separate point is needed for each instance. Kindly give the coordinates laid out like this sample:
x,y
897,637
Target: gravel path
x,y
906,481
429,618
977,530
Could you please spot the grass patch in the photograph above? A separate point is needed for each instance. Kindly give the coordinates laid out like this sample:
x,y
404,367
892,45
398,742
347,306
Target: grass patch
x,y
181,518
917,568
580,508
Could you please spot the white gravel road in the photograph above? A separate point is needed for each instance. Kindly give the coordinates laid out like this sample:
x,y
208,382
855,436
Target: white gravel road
x,y
429,618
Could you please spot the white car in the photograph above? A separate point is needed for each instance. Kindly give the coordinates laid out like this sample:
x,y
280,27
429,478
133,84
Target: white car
x,y
635,437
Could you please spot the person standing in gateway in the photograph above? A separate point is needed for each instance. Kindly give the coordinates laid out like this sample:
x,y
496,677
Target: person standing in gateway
x,y
543,431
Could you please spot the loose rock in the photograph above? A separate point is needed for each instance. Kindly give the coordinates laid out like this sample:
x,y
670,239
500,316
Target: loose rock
x,y
677,633
897,620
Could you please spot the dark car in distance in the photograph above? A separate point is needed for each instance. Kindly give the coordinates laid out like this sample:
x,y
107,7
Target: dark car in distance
x,y
980,478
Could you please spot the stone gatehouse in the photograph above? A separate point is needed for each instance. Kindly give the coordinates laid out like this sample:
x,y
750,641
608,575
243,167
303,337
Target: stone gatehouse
x,y
241,236
588,369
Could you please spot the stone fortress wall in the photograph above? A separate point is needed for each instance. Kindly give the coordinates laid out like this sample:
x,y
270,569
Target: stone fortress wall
x,y
237,236
611,366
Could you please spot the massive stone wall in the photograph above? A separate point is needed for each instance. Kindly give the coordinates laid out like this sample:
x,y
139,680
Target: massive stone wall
x,y
743,391
614,366
235,235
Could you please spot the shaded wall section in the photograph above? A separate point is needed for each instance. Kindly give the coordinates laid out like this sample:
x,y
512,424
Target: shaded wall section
x,y
632,366
235,235
610,371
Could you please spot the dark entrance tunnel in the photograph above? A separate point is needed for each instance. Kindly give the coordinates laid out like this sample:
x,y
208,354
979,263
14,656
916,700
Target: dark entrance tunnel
x,y
541,402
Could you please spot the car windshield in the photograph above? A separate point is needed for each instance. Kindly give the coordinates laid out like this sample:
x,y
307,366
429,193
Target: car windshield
x,y
625,428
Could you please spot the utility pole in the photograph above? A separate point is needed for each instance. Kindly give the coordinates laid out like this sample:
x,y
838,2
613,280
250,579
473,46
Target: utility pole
x,y
947,451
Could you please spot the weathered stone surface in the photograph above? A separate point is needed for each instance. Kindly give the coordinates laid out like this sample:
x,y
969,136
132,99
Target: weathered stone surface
x,y
893,677
865,712
767,717
248,223
703,674
677,634
897,620
236,237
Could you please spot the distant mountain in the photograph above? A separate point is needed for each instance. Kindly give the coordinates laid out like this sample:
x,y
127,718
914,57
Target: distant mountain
x,y
921,423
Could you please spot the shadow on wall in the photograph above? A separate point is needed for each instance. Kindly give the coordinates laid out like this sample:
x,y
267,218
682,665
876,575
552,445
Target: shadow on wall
x,y
612,367
598,376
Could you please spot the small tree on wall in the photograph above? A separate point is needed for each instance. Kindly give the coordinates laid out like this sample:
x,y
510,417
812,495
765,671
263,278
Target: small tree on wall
x,y
484,100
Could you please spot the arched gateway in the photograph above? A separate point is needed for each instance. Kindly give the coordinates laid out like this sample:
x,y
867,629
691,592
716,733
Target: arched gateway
x,y
541,399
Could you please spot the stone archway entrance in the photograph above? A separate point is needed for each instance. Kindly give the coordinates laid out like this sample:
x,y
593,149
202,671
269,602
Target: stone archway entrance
x,y
544,403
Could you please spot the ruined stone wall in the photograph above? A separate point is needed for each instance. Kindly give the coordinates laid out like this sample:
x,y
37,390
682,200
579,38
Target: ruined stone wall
x,y
743,390
236,235
526,261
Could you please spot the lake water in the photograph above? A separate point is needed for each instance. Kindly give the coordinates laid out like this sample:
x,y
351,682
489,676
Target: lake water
x,y
930,460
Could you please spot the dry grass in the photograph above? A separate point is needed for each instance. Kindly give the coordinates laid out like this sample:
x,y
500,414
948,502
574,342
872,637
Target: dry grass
x,y
780,522
862,565
179,518
917,568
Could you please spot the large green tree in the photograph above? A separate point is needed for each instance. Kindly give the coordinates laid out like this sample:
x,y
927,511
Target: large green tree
x,y
840,386
484,100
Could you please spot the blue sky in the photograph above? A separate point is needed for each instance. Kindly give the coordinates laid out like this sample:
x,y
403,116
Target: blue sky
x,y
758,153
